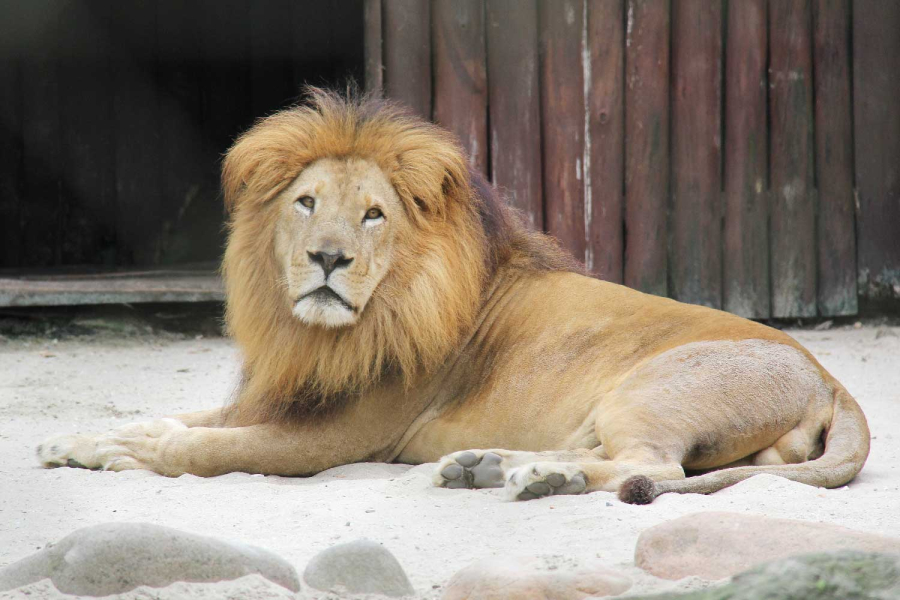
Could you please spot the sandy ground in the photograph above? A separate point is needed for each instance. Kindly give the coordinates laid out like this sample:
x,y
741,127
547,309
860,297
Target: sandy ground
x,y
93,384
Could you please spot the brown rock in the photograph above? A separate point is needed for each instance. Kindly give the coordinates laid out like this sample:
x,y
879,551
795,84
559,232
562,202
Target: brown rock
x,y
528,579
714,545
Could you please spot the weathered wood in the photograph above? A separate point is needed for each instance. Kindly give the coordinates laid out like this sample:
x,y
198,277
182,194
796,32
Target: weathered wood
x,y
836,237
41,212
514,108
271,57
606,138
562,121
112,288
746,242
87,143
184,171
460,75
11,164
136,132
647,144
695,259
876,97
407,53
793,247
373,42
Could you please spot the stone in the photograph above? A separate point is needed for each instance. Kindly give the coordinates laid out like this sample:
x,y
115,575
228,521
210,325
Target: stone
x,y
113,558
358,567
527,579
841,575
715,545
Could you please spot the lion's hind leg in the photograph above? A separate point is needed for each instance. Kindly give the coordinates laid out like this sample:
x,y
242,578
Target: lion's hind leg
x,y
477,469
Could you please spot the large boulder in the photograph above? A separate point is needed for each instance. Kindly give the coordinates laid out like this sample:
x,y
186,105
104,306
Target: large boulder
x,y
113,558
842,575
714,545
526,579
358,567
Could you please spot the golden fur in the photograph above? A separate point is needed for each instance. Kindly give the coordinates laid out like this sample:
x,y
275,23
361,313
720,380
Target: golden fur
x,y
429,299
476,334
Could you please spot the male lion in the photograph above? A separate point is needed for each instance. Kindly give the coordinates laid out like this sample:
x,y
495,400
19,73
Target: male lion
x,y
389,308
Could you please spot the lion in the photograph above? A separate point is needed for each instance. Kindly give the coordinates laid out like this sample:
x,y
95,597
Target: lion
x,y
389,307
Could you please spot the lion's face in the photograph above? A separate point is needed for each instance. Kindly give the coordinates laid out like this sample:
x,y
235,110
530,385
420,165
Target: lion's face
x,y
337,227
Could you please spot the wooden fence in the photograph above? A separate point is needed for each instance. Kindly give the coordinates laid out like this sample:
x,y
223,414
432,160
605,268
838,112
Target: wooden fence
x,y
742,154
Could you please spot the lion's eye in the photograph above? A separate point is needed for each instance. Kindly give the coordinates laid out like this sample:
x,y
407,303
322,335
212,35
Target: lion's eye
x,y
374,213
306,202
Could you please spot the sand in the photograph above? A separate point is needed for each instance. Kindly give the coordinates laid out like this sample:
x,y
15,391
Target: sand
x,y
92,384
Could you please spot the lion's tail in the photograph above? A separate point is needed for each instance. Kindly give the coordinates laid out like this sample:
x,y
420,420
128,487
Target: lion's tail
x,y
846,450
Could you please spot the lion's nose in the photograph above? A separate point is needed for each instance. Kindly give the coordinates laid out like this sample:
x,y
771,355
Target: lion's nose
x,y
329,261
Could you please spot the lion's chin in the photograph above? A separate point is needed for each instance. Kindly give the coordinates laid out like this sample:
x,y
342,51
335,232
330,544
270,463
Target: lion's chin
x,y
324,313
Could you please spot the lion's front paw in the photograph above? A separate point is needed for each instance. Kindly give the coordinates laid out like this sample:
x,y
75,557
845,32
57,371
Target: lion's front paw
x,y
537,480
69,451
470,469
133,446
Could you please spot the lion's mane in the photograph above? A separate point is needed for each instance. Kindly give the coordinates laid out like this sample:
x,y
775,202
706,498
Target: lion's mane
x,y
424,306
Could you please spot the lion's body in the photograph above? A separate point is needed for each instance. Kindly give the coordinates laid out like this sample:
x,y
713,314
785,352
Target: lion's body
x,y
389,307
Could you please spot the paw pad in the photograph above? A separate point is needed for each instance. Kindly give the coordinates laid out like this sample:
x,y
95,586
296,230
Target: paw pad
x,y
468,470
553,484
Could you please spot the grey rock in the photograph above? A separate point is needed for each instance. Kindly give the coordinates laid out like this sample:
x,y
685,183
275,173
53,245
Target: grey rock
x,y
359,567
715,545
843,575
521,578
113,558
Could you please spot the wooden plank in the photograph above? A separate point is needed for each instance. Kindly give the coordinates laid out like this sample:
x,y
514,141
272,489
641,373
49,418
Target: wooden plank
x,y
793,247
87,143
562,121
271,61
695,249
646,144
514,108
184,167
836,235
137,132
41,211
11,163
112,288
876,89
746,243
407,53
460,75
372,40
606,138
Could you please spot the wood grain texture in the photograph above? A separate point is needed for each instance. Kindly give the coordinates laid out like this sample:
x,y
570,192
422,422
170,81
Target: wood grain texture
x,y
407,53
514,108
606,136
876,90
836,235
647,144
695,259
12,176
137,140
460,75
87,142
793,220
373,46
746,238
562,121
